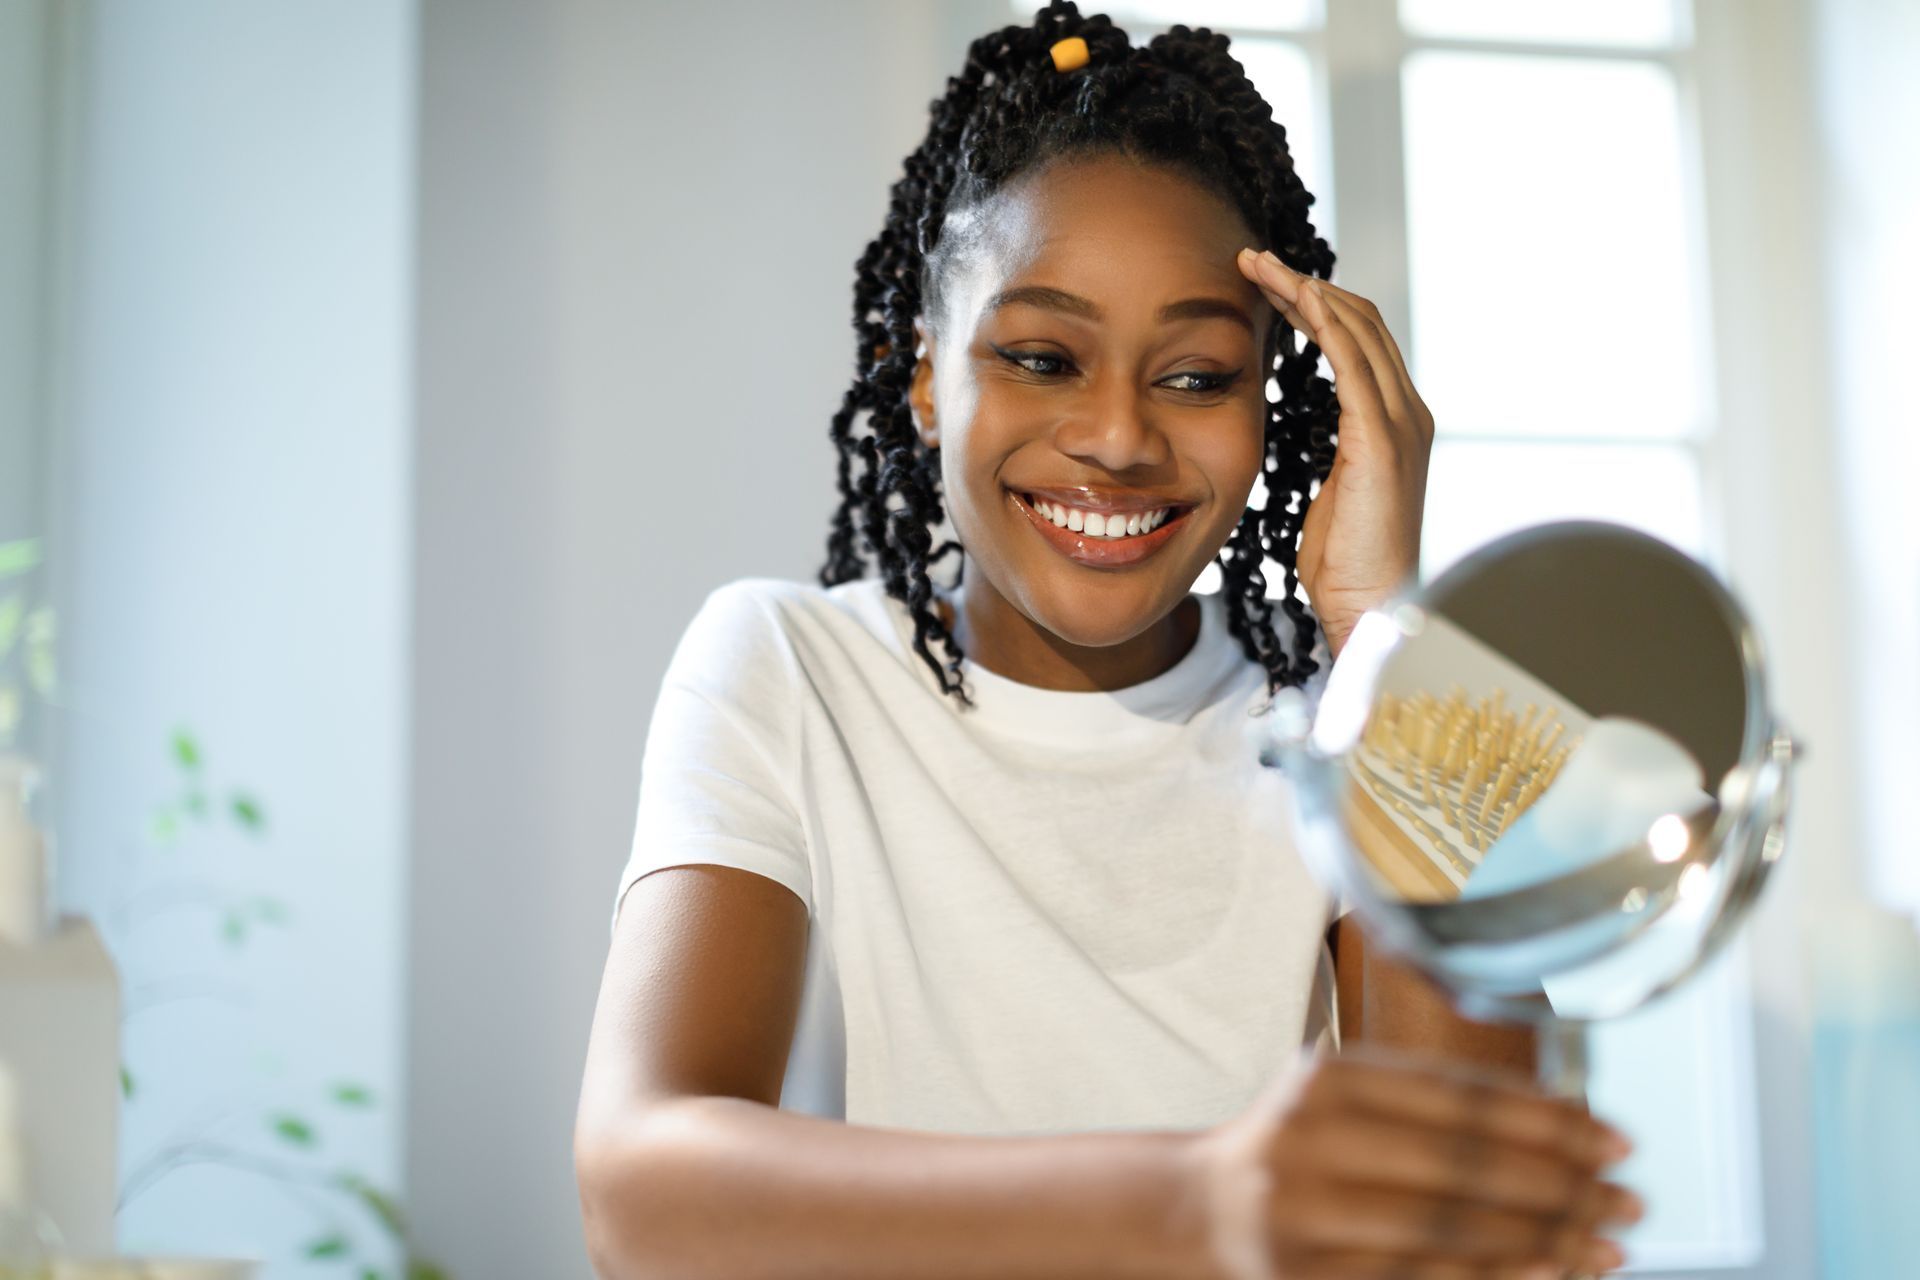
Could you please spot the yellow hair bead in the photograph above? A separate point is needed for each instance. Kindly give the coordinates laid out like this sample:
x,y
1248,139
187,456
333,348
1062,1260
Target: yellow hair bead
x,y
1069,54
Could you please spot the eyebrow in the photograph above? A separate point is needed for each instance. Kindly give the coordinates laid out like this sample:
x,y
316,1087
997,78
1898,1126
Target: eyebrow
x,y
1051,299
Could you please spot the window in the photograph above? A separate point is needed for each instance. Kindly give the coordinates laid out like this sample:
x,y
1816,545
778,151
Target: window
x,y
1517,187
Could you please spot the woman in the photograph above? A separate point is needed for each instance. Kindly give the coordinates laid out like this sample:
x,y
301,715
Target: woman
x,y
963,935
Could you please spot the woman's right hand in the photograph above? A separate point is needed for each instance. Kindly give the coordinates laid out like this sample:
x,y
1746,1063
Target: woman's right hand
x,y
1370,1164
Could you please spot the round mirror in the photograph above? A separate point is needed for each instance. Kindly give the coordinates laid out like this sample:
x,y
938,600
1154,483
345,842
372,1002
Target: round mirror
x,y
1551,777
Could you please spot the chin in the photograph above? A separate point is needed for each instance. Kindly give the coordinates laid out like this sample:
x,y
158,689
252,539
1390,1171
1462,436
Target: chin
x,y
1094,609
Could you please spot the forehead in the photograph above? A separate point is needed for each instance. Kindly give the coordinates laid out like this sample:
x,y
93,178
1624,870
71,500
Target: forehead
x,y
1109,228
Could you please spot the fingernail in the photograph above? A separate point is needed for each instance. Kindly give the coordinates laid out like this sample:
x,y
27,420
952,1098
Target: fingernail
x,y
1630,1208
1615,1145
1603,1255
1274,258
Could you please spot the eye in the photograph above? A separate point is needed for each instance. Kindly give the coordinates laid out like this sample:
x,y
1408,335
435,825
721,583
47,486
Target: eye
x,y
1208,383
1020,358
1199,383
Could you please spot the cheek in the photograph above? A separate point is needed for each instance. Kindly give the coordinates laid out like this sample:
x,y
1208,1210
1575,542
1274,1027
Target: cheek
x,y
974,450
1232,459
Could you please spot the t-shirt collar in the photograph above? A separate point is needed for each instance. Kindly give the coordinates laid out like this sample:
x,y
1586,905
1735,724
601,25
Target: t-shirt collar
x,y
1147,711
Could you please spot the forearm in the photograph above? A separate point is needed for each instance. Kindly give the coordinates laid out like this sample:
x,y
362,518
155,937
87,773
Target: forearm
x,y
724,1187
1385,1001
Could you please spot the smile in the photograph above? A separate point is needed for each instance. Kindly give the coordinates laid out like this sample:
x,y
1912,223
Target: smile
x,y
1101,537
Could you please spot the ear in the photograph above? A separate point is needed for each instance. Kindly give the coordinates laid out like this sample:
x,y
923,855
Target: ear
x,y
920,389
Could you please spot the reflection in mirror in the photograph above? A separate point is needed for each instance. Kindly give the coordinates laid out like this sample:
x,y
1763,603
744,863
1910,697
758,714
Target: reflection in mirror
x,y
1550,777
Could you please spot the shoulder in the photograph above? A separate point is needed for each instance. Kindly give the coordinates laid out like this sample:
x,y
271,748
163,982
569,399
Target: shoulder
x,y
746,607
739,626
762,624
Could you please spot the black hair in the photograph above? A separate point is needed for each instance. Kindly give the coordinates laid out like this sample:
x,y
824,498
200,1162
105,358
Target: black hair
x,y
1180,101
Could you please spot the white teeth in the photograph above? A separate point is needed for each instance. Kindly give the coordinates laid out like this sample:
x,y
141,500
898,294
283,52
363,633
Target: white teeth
x,y
1099,524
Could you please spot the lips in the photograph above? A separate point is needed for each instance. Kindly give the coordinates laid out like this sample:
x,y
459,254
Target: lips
x,y
1094,550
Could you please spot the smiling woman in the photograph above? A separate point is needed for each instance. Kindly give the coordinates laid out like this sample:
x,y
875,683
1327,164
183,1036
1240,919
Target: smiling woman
x,y
1148,394
1001,961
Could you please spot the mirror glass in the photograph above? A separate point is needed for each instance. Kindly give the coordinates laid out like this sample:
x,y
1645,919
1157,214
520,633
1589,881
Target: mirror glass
x,y
1546,776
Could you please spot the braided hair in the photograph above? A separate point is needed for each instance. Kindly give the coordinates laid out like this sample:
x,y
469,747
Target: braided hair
x,y
1180,101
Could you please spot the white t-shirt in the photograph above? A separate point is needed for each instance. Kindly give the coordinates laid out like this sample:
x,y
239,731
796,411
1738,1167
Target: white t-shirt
x,y
1052,912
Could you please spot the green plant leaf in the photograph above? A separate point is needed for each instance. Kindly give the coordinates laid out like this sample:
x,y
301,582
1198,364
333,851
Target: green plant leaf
x,y
126,1082
333,1246
352,1095
294,1130
19,556
246,812
233,928
39,659
379,1203
12,609
185,749
421,1269
372,1273
269,910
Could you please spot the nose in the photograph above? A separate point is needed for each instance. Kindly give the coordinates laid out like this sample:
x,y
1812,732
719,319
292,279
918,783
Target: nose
x,y
1111,428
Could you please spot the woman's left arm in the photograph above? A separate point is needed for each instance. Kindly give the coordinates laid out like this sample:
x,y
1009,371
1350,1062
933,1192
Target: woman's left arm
x,y
1359,543
1386,1002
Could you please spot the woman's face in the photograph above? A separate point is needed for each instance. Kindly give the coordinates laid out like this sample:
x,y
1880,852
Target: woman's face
x,y
1099,354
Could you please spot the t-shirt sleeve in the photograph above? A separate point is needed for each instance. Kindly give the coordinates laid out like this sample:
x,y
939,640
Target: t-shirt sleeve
x,y
719,773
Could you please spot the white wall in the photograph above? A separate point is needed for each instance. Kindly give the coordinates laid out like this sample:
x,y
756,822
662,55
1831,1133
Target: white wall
x,y
638,230
26,32
230,516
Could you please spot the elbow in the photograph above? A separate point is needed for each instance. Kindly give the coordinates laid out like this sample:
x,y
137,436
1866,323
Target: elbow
x,y
628,1203
592,1173
610,1173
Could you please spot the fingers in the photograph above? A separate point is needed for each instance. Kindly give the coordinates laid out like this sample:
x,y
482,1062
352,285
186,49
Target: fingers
x,y
1396,391
1377,1163
1504,1109
1443,1163
1275,285
1329,1219
1370,314
1349,329
1350,1265
1387,1153
1365,416
1351,368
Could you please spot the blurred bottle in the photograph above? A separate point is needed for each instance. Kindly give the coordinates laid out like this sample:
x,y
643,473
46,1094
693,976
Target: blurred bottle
x,y
23,856
59,1038
29,1240
1866,971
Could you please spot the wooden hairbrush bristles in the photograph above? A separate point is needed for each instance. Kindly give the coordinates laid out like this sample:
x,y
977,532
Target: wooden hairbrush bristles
x,y
1473,764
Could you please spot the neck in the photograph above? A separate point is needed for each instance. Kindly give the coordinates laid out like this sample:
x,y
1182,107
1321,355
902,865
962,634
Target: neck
x,y
1001,639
